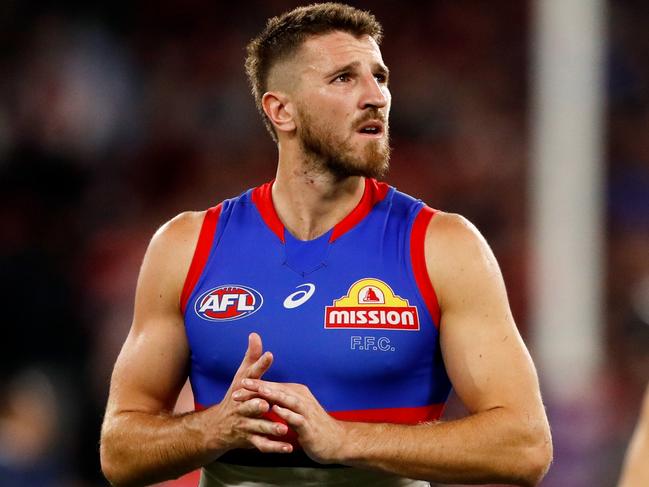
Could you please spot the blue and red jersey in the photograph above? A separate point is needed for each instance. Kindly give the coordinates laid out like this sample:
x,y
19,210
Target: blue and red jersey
x,y
351,314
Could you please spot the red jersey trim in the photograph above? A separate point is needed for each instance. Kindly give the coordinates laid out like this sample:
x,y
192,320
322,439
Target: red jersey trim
x,y
418,257
414,415
407,415
201,254
373,193
262,197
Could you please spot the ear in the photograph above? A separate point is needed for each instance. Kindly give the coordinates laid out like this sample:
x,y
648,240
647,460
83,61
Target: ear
x,y
279,110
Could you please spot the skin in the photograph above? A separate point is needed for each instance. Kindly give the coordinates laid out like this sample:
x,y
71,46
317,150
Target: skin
x,y
635,472
505,439
342,79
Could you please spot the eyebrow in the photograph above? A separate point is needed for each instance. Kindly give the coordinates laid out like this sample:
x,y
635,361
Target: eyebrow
x,y
355,65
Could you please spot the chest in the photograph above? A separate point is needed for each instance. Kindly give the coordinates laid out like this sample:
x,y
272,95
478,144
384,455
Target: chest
x,y
342,317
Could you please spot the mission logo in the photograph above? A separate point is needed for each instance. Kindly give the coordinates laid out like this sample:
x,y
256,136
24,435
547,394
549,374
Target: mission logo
x,y
371,304
227,303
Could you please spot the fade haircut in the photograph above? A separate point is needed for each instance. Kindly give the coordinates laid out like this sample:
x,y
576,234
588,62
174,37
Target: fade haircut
x,y
284,35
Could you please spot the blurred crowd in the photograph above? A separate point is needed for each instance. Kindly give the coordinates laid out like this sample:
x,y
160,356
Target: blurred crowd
x,y
116,116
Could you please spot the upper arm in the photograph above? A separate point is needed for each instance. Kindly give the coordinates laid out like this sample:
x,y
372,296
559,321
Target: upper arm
x,y
152,365
485,357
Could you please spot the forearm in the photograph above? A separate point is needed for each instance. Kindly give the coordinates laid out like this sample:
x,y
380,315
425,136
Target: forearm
x,y
139,448
491,446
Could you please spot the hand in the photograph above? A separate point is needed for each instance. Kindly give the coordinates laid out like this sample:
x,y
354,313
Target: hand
x,y
321,436
238,421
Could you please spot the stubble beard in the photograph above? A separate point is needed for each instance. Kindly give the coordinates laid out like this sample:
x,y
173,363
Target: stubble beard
x,y
327,152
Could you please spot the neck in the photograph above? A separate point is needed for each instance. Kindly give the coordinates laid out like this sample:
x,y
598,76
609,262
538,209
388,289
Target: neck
x,y
310,202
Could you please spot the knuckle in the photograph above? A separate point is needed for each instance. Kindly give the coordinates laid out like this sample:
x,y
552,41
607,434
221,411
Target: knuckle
x,y
296,402
241,410
265,448
261,445
298,420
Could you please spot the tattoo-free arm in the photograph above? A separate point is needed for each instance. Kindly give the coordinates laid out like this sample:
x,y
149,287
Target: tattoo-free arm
x,y
506,437
142,441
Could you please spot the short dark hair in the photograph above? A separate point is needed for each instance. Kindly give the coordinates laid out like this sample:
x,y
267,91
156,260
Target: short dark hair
x,y
284,35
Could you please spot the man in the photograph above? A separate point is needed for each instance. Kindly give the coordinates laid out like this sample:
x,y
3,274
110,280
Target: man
x,y
356,303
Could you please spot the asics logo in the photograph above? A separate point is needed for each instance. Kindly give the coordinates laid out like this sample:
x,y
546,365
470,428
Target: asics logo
x,y
298,298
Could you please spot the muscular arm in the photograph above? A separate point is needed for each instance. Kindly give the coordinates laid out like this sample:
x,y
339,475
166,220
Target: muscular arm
x,y
141,440
506,437
151,368
636,467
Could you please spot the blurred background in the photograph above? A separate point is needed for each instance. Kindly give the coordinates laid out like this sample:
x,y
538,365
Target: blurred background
x,y
116,116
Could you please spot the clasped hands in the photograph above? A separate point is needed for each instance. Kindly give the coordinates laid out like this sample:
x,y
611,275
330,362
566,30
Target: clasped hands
x,y
250,398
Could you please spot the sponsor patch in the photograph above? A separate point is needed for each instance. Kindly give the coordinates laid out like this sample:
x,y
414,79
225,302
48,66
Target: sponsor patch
x,y
371,304
228,303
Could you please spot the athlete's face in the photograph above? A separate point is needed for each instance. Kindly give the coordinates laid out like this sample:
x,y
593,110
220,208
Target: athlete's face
x,y
343,103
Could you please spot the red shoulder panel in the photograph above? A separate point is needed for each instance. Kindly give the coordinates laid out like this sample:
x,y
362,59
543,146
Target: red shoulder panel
x,y
201,253
418,258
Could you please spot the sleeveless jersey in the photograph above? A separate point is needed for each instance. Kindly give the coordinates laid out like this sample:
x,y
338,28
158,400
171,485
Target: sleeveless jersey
x,y
351,314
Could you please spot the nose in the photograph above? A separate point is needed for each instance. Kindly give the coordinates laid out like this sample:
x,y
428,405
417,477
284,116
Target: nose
x,y
374,94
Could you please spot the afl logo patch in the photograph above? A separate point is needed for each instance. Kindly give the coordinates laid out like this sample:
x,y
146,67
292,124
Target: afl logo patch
x,y
228,303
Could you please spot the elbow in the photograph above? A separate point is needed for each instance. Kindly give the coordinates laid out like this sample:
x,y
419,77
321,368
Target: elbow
x,y
110,468
114,468
115,476
538,465
537,457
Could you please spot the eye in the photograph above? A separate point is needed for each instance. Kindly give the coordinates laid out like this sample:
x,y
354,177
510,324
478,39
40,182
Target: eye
x,y
381,77
342,78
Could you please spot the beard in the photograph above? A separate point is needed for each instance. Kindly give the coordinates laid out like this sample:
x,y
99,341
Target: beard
x,y
325,151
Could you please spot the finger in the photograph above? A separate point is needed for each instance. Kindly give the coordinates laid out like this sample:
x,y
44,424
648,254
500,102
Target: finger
x,y
295,420
254,408
260,367
279,395
265,445
242,395
255,346
253,352
263,426
253,384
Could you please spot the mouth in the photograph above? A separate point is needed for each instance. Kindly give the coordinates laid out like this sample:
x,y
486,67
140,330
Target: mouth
x,y
373,129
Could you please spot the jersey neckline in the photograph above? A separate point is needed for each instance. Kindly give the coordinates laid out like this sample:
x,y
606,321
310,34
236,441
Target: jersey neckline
x,y
373,193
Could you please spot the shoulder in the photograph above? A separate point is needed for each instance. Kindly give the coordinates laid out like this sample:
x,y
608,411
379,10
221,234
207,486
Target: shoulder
x,y
454,236
171,249
180,231
458,257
